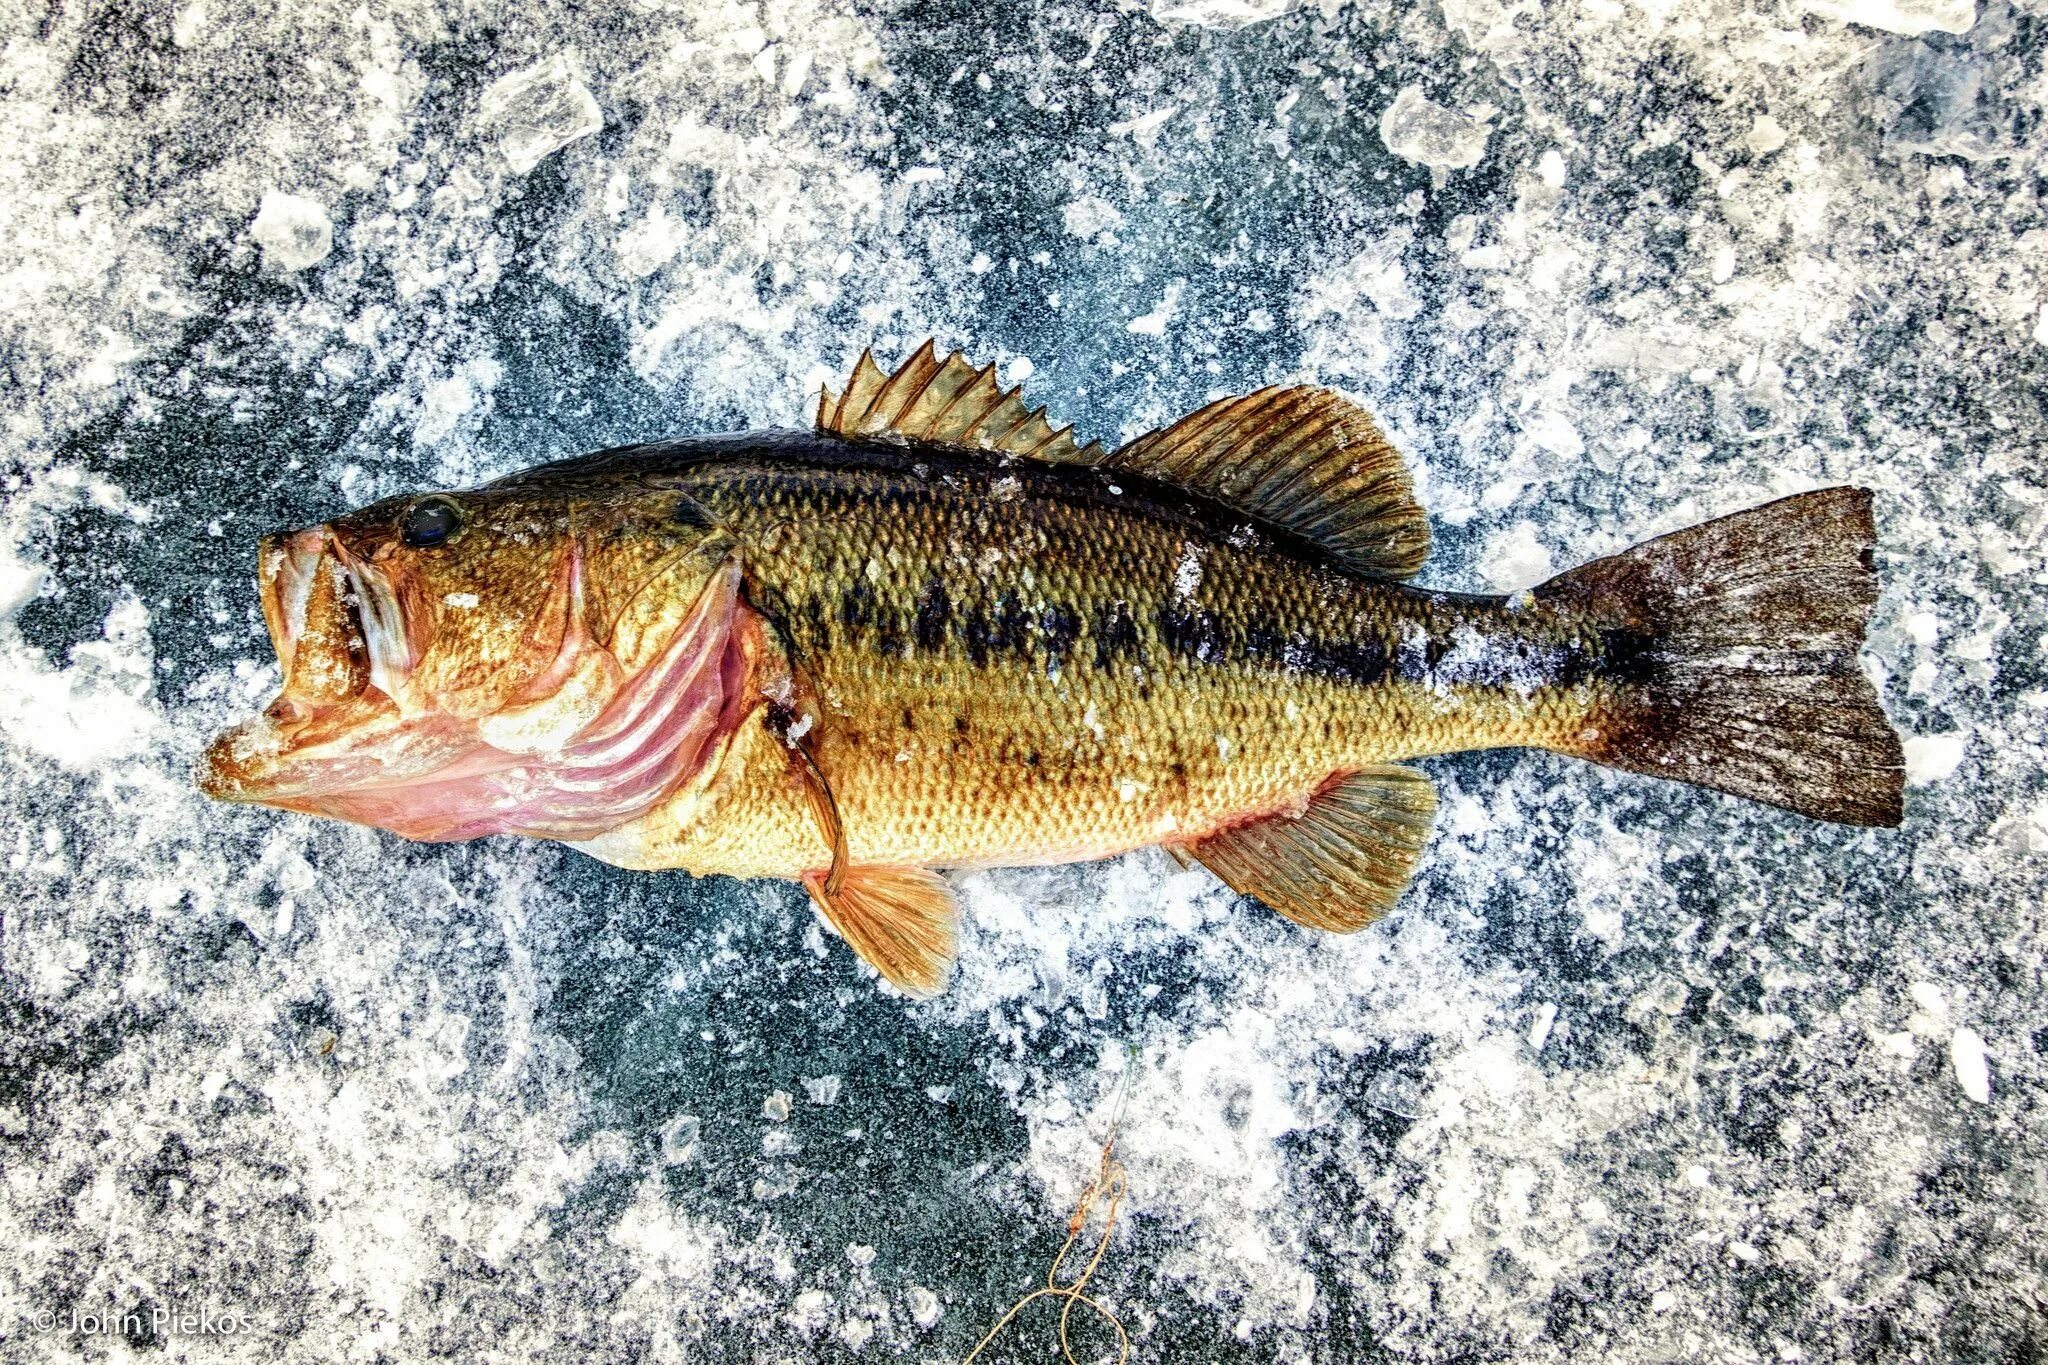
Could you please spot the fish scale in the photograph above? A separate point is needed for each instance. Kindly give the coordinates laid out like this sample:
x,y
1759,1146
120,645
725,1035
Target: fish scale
x,y
968,746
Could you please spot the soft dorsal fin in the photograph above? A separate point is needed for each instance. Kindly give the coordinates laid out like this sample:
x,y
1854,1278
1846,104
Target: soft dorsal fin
x,y
1304,459
948,402
1342,861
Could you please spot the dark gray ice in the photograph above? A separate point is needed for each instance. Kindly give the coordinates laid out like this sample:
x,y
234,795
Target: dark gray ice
x,y
1636,1072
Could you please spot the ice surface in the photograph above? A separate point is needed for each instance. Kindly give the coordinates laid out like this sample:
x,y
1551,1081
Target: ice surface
x,y
1636,1073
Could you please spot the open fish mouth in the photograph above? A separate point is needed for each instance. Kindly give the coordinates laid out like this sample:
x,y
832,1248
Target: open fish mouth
x,y
343,739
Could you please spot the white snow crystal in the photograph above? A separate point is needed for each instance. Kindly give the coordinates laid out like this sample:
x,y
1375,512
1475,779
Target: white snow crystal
x,y
1153,324
1910,17
1428,134
1966,1055
538,111
293,231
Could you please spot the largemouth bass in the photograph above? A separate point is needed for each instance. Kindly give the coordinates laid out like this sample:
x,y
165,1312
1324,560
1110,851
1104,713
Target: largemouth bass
x,y
935,632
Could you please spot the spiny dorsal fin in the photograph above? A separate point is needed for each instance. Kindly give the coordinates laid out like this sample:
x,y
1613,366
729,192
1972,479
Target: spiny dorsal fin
x,y
901,920
947,402
1342,862
1303,459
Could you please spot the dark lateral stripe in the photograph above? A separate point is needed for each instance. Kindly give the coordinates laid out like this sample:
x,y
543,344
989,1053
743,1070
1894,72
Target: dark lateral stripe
x,y
934,617
1192,633
1506,660
860,610
1060,627
1463,651
1116,634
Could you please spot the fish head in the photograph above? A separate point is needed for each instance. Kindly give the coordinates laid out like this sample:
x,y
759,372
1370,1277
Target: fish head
x,y
514,659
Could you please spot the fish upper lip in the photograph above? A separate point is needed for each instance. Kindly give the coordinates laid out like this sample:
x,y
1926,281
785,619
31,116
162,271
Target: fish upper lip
x,y
381,622
287,564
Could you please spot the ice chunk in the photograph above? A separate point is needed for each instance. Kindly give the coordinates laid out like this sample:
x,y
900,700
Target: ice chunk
x,y
1910,17
189,23
1219,13
1765,135
1932,758
651,243
924,1306
1938,102
1390,1092
1515,558
538,111
1966,1055
822,1089
293,231
776,1183
776,1106
1090,216
679,1138
1428,134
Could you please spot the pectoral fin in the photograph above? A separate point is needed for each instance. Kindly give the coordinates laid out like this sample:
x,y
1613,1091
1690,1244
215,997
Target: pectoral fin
x,y
795,736
900,919
1342,861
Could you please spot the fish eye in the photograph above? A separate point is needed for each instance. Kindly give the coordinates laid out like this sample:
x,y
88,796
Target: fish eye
x,y
430,523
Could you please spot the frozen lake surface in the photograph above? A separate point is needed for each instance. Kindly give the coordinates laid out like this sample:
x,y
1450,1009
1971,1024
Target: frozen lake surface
x,y
1635,1073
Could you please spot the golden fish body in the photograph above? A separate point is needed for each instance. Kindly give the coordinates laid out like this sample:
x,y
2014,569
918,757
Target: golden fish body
x,y
1019,665
937,633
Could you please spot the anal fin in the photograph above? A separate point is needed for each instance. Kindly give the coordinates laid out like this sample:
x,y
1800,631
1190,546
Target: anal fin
x,y
902,920
1342,861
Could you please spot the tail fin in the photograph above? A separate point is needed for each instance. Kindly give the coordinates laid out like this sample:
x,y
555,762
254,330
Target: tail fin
x,y
1743,673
